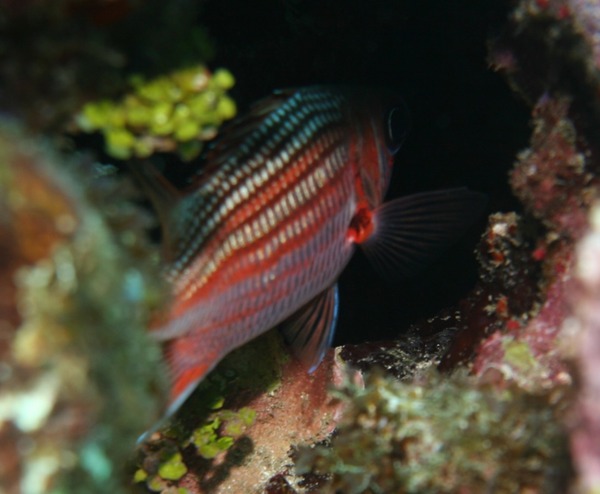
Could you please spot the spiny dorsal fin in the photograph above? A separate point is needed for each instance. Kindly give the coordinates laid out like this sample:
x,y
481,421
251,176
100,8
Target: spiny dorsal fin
x,y
165,199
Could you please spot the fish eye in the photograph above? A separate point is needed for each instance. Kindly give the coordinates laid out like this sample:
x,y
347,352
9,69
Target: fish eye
x,y
397,124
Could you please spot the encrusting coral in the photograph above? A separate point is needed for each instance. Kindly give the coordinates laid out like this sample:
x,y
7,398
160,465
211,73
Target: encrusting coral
x,y
442,435
80,377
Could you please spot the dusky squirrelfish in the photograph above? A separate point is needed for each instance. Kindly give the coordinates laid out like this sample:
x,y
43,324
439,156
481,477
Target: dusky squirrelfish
x,y
262,235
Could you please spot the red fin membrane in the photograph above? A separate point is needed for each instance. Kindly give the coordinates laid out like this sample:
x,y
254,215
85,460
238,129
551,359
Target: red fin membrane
x,y
309,331
412,231
188,364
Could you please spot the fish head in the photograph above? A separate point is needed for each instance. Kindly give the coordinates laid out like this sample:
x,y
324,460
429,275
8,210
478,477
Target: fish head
x,y
383,122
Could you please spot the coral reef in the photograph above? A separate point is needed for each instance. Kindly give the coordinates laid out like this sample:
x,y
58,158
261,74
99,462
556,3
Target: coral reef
x,y
507,290
80,377
80,279
556,178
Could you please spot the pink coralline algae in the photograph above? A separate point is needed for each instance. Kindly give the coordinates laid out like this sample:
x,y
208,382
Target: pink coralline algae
x,y
551,177
584,332
552,181
586,17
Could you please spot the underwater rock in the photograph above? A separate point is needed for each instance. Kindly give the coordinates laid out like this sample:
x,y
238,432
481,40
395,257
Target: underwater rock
x,y
238,428
80,377
507,290
556,178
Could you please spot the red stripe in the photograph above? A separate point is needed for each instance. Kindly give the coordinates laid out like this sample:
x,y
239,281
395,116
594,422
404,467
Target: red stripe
x,y
255,155
332,189
276,296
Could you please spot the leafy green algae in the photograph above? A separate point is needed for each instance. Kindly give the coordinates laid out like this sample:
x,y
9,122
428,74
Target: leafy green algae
x,y
173,112
173,468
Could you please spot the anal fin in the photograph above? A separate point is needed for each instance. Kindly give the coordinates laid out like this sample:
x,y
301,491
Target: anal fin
x,y
309,331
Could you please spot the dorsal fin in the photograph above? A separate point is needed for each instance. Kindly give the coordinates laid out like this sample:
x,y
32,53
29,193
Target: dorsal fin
x,y
235,132
165,198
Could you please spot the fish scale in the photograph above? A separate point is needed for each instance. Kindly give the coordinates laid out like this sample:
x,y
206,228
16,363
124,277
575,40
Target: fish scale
x,y
262,235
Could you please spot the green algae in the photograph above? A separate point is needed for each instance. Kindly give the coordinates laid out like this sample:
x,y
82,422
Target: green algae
x,y
173,468
208,442
221,430
215,421
173,112
518,354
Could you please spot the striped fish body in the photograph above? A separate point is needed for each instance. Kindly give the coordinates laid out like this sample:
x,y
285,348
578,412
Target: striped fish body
x,y
261,237
268,227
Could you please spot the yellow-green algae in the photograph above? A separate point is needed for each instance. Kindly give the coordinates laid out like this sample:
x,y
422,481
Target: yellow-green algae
x,y
443,435
173,468
173,112
67,57
84,377
221,431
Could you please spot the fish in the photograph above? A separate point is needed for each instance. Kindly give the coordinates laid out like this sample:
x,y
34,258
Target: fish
x,y
286,196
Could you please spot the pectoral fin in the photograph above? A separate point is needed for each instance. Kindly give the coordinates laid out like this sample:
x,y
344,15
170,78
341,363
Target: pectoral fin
x,y
409,232
309,331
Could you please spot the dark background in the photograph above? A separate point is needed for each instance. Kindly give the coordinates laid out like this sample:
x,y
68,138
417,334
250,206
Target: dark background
x,y
467,126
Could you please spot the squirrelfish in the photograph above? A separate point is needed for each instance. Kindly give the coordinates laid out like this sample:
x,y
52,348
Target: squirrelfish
x,y
287,194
